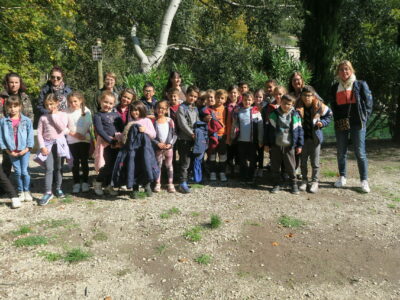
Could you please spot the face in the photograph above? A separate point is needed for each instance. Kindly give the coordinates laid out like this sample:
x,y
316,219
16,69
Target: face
x,y
258,98
162,109
74,103
56,78
201,101
286,105
14,109
148,92
278,93
297,82
109,82
191,97
176,81
173,99
233,95
13,85
126,99
52,106
244,88
269,88
135,114
307,98
247,101
345,72
107,103
210,100
220,100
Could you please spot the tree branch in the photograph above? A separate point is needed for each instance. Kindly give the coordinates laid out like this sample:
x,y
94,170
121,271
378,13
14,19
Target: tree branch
x,y
184,47
232,3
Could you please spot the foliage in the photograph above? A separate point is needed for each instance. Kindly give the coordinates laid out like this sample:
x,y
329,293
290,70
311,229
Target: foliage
x,y
215,222
203,259
193,234
22,230
50,256
76,255
31,241
287,221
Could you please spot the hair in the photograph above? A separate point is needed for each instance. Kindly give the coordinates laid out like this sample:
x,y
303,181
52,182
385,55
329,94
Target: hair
x,y
13,100
233,87
291,88
308,89
288,98
191,89
259,91
347,63
128,91
107,94
81,98
110,74
273,81
242,83
221,92
50,98
148,84
162,101
139,106
173,91
280,87
210,91
172,75
57,69
248,95
22,87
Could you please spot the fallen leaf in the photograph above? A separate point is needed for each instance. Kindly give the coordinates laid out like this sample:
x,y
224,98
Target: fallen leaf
x,y
108,298
227,221
183,259
275,244
289,235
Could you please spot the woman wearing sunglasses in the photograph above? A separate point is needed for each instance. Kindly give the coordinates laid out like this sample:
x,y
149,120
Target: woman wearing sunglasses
x,y
56,86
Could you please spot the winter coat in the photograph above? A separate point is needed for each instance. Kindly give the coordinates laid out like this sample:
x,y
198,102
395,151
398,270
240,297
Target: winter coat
x,y
201,137
27,109
24,134
136,162
257,126
187,115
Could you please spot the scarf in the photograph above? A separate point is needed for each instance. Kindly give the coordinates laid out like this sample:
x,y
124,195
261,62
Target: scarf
x,y
348,84
62,98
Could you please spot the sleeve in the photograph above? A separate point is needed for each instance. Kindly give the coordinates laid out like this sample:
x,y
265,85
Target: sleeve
x,y
234,127
150,131
2,143
299,131
40,132
260,130
98,125
326,116
88,121
60,121
367,98
182,122
27,105
174,135
30,138
40,105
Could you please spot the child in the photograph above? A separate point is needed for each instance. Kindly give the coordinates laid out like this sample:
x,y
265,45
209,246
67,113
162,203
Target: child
x,y
149,100
17,141
164,142
284,137
220,114
187,116
108,125
201,100
243,87
125,99
51,131
139,116
232,155
315,115
270,86
80,120
247,130
173,98
259,103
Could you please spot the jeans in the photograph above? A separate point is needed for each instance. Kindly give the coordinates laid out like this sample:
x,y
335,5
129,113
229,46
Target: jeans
x,y
22,177
357,136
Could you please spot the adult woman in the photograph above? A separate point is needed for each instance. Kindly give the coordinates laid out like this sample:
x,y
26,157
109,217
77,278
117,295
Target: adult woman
x,y
110,80
56,86
351,103
175,81
296,83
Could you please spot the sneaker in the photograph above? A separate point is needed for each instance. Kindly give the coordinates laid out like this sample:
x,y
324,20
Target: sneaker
x,y
314,187
171,188
341,182
365,186
183,188
15,202
97,188
295,189
21,196
213,176
28,196
260,172
222,177
76,188
85,187
275,189
157,188
45,199
60,194
109,189
303,186
147,189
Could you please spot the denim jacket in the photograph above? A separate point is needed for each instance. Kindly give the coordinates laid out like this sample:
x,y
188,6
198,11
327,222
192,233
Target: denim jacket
x,y
25,134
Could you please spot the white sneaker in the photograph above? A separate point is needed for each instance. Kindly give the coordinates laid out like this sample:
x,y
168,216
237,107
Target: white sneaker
x,y
303,186
76,188
21,196
157,188
111,191
97,188
15,202
365,186
85,187
222,177
314,187
341,182
213,176
28,196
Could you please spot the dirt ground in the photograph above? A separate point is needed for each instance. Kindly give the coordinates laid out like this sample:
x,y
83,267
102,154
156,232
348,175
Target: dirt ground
x,y
347,248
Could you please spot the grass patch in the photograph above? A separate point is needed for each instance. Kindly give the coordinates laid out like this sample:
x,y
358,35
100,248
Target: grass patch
x,y
329,173
31,241
215,222
22,230
290,222
196,186
203,259
161,249
100,236
169,213
392,205
90,203
76,255
165,216
243,274
50,256
193,234
195,214
397,199
54,223
68,199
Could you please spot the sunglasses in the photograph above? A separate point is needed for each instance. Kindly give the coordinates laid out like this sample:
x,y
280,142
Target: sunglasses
x,y
55,77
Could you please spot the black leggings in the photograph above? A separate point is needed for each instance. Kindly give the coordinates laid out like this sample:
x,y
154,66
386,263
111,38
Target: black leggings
x,y
80,153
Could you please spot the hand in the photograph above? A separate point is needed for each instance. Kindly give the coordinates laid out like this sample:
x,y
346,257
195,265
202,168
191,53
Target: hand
x,y
44,151
298,151
161,146
319,124
142,129
168,146
14,154
193,136
266,149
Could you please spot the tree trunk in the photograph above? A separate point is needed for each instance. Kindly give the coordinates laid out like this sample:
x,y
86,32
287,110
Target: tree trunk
x,y
149,62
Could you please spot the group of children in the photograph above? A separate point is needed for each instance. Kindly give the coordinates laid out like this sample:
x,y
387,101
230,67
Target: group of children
x,y
208,132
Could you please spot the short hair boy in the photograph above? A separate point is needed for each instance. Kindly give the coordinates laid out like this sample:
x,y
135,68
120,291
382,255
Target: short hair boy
x,y
148,99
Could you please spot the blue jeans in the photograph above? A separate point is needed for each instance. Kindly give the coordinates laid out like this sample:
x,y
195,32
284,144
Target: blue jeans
x,y
22,177
357,136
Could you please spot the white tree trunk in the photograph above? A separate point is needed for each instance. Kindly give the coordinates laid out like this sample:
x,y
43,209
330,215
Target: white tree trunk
x,y
148,62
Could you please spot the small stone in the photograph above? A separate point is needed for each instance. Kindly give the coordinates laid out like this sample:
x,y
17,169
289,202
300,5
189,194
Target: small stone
x,y
164,280
252,251
315,275
291,273
262,265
